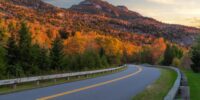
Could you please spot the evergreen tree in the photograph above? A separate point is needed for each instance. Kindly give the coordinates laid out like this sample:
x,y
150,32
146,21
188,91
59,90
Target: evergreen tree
x,y
195,56
40,59
14,69
168,56
57,55
101,52
74,62
91,60
43,60
35,53
2,62
117,59
177,52
87,60
114,59
125,57
25,48
12,57
67,63
12,50
145,55
104,61
97,59
64,34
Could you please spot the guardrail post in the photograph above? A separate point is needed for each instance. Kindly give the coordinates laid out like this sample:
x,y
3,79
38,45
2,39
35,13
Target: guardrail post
x,y
14,86
68,78
93,75
185,94
55,80
38,83
184,88
87,75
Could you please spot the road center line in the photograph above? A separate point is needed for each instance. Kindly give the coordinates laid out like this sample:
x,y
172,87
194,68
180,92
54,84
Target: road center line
x,y
91,86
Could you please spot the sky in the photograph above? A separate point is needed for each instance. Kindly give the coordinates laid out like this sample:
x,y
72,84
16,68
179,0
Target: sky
x,y
185,12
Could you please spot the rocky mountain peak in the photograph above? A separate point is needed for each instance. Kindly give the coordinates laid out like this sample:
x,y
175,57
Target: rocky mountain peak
x,y
124,8
104,8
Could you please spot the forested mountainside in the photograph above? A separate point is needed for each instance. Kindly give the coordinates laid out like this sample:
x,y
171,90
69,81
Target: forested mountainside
x,y
136,23
99,16
38,38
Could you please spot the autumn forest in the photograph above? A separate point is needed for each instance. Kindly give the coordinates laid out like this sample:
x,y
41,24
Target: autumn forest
x,y
40,40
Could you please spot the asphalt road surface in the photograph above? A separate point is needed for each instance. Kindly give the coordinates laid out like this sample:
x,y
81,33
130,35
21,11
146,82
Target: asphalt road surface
x,y
119,86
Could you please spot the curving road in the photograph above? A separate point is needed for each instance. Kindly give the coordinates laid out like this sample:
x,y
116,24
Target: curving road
x,y
119,86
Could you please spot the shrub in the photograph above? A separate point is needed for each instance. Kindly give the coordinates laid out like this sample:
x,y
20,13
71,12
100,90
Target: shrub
x,y
195,56
171,52
176,62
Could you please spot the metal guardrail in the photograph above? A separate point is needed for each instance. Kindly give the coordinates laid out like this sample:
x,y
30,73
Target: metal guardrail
x,y
184,90
174,90
46,77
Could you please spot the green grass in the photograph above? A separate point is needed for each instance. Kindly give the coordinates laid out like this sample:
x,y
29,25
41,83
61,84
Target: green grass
x,y
159,89
194,83
32,85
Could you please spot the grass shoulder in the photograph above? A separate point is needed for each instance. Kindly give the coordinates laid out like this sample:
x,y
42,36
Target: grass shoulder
x,y
194,83
159,89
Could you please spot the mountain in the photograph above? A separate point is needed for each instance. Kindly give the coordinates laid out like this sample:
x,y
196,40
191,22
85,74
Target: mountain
x,y
137,23
35,4
105,9
98,16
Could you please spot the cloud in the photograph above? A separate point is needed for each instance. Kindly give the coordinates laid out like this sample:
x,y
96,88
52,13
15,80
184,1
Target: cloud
x,y
194,21
163,1
175,2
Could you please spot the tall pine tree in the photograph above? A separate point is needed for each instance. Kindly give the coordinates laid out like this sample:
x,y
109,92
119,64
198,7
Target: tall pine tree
x,y
25,49
12,50
167,56
40,59
2,63
57,55
195,56
12,57
104,61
